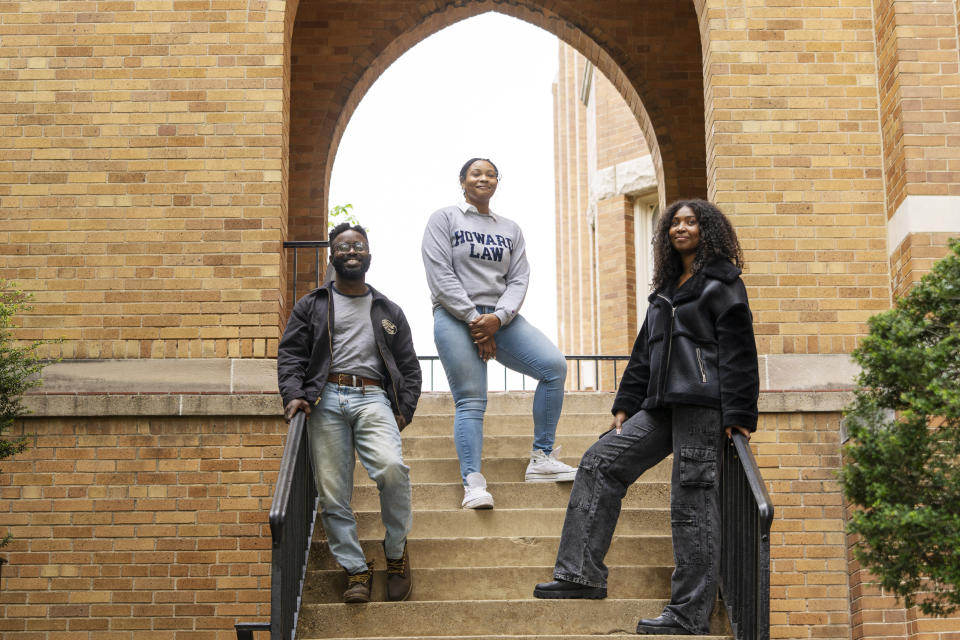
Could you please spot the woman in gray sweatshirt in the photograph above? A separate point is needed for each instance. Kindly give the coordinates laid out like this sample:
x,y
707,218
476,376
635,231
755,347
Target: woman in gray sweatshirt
x,y
477,271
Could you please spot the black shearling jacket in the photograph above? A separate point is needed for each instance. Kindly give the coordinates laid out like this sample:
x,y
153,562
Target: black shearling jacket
x,y
303,357
696,347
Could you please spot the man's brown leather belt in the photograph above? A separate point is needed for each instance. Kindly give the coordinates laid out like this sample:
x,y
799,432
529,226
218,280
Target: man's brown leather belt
x,y
350,380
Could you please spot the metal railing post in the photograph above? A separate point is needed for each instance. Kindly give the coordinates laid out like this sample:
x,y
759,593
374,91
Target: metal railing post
x,y
746,516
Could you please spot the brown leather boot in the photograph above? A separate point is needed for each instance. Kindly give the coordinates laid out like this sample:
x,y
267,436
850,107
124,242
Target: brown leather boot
x,y
358,586
399,582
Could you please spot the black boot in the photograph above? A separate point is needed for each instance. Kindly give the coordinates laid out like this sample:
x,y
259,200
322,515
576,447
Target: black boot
x,y
662,625
564,589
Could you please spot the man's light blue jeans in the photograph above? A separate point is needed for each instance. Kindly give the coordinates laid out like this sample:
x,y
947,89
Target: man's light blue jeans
x,y
361,419
520,347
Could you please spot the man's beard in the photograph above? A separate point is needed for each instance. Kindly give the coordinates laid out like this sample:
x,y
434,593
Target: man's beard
x,y
351,273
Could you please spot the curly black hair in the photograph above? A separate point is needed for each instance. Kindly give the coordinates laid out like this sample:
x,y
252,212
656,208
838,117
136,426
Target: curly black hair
x,y
346,226
717,239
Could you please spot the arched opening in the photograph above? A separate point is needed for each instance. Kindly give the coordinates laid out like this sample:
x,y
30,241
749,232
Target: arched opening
x,y
451,97
650,51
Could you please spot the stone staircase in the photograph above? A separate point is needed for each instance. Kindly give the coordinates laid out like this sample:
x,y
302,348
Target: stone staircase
x,y
474,571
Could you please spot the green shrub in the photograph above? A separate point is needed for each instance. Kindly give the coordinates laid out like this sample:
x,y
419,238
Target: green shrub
x,y
902,468
19,370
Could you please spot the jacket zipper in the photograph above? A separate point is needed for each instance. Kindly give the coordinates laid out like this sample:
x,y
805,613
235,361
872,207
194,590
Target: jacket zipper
x,y
669,339
703,373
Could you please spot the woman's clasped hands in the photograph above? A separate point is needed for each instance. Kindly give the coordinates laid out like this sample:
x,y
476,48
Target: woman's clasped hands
x,y
481,331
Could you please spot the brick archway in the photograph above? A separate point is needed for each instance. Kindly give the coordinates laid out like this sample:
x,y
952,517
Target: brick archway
x,y
650,50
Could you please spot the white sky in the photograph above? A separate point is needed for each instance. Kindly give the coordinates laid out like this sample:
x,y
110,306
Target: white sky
x,y
481,87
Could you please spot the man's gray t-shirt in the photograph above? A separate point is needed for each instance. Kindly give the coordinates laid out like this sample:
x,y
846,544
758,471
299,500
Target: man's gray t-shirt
x,y
354,346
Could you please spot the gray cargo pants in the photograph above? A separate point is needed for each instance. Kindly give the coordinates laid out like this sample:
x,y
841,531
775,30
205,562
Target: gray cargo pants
x,y
694,436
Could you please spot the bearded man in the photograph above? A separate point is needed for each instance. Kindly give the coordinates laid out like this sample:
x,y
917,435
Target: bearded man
x,y
347,361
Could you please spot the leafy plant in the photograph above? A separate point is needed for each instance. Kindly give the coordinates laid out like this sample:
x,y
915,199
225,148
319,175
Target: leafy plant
x,y
19,369
902,466
341,213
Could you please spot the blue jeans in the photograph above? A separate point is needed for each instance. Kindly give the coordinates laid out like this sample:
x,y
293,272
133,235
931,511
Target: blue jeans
x,y
348,419
694,435
521,347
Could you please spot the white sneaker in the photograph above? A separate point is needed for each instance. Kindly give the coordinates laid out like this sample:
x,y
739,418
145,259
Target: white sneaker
x,y
548,468
475,494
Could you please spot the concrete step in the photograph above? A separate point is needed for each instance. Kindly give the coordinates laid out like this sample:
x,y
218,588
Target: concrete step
x,y
585,424
506,522
474,571
518,402
510,495
492,583
498,618
494,446
432,470
539,551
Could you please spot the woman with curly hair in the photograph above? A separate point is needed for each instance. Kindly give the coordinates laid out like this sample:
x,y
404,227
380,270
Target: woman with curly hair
x,y
691,377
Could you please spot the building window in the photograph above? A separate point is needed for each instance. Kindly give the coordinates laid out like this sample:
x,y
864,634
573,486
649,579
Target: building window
x,y
645,211
586,83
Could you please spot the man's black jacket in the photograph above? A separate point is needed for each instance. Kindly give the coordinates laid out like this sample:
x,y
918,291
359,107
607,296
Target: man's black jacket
x,y
303,357
696,347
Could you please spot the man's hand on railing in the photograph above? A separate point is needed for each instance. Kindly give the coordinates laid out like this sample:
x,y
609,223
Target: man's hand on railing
x,y
297,404
743,430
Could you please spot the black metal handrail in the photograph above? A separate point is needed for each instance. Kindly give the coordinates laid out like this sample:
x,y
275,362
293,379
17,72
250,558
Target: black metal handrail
x,y
293,514
746,514
428,378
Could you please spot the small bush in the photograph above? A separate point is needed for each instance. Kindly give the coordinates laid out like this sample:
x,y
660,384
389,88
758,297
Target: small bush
x,y
902,467
19,370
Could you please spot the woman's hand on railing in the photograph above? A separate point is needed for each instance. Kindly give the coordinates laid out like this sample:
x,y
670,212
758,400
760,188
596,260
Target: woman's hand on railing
x,y
743,431
618,419
297,404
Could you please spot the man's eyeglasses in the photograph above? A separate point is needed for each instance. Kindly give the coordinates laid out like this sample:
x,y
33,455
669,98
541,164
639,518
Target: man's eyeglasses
x,y
344,247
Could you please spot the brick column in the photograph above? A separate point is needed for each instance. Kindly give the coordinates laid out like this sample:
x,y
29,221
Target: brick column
x,y
616,281
917,59
794,157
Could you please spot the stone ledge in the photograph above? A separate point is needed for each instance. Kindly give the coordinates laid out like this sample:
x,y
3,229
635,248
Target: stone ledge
x,y
152,404
51,405
778,372
214,387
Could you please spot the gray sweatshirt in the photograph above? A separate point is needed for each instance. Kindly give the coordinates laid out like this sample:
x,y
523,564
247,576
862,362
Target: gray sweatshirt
x,y
475,259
